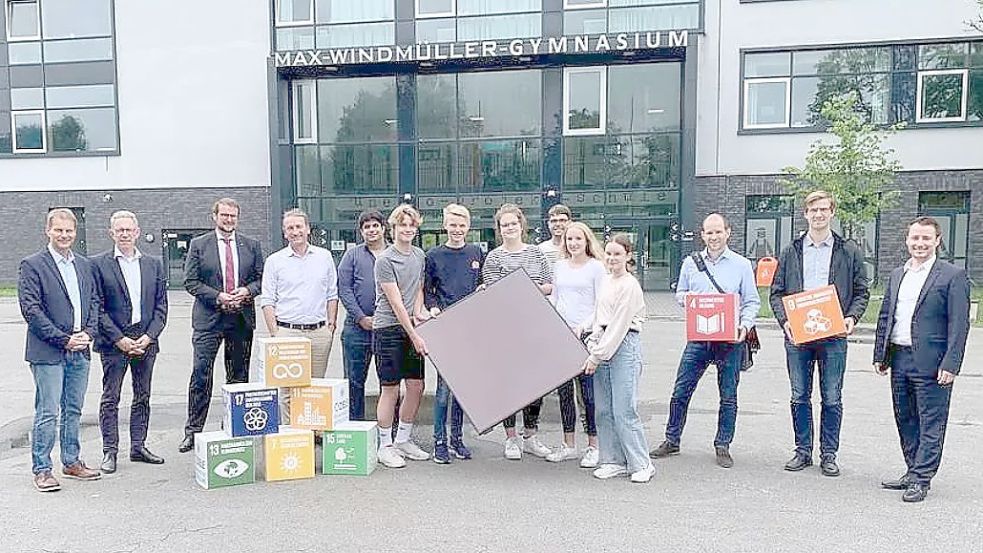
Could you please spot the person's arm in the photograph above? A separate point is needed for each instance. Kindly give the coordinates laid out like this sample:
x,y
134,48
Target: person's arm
x,y
628,300
90,325
683,283
597,281
29,296
346,285
750,300
957,307
491,270
107,327
269,316
193,282
159,320
332,304
778,287
861,287
545,269
430,282
268,295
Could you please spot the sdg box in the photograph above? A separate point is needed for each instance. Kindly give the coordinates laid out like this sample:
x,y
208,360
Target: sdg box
x,y
221,461
250,409
284,362
288,455
320,406
350,448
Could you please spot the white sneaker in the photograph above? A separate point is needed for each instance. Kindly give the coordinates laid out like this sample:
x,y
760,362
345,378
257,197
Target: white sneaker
x,y
513,448
591,458
563,453
536,447
604,472
390,457
412,451
644,475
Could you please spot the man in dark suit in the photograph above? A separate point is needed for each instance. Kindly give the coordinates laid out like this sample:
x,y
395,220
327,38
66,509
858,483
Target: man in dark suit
x,y
921,338
133,313
58,300
224,272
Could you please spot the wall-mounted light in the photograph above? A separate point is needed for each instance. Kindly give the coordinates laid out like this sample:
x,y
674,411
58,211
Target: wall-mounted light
x,y
149,237
107,198
656,111
389,122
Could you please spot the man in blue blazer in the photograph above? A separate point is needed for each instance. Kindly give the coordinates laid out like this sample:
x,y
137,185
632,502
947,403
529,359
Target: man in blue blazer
x,y
921,338
224,272
58,299
133,312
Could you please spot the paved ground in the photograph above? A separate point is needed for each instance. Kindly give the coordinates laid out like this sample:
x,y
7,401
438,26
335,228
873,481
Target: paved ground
x,y
489,504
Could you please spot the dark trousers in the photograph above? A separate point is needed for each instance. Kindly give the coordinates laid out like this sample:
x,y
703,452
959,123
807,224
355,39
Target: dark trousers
x,y
114,366
530,416
356,346
697,356
921,411
238,338
568,404
829,356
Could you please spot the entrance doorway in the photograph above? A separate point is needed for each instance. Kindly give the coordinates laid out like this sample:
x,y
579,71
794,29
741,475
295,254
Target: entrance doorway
x,y
656,250
175,244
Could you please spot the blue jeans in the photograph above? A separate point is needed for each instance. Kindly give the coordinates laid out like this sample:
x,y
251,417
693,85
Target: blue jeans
x,y
696,357
620,434
58,387
356,346
830,357
440,401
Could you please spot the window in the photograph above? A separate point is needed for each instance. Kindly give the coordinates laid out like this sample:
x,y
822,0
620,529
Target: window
x,y
686,16
304,112
436,107
621,162
951,210
436,30
585,22
359,34
82,129
294,12
584,101
766,103
436,8
26,98
500,27
497,166
28,131
23,53
942,95
86,49
500,103
76,18
349,11
23,20
579,4
643,97
80,96
768,226
489,7
295,38
356,109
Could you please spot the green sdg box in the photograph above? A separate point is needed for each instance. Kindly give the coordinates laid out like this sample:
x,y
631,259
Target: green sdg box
x,y
351,448
222,461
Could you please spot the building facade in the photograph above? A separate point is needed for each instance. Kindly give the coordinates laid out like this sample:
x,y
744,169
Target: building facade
x,y
641,115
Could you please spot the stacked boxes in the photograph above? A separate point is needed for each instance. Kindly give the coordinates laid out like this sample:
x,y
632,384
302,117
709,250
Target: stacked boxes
x,y
284,362
222,461
320,406
288,454
251,409
350,448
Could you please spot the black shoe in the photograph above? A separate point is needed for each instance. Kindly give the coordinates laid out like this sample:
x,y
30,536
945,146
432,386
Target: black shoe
x,y
915,493
900,484
723,457
187,444
799,462
664,450
829,467
108,465
143,455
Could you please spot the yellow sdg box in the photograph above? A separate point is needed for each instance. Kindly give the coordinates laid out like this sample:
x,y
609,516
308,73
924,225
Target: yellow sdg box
x,y
284,362
320,406
288,454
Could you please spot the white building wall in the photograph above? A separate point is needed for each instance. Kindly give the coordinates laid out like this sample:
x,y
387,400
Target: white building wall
x,y
192,103
732,26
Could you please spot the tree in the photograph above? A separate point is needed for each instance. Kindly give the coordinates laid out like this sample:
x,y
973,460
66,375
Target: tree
x,y
978,22
68,134
855,167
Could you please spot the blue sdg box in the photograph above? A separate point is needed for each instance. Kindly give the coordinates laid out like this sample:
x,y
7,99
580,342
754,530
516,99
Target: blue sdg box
x,y
251,409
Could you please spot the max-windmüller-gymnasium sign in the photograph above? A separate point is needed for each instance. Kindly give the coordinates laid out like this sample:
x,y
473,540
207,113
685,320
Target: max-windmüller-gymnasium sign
x,y
483,49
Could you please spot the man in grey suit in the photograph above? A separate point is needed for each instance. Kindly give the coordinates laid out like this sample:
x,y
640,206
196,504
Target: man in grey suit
x,y
133,312
921,338
224,272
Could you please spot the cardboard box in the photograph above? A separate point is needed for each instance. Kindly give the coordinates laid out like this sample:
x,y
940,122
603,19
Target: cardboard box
x,y
351,448
712,317
814,314
221,461
284,362
320,406
251,409
288,454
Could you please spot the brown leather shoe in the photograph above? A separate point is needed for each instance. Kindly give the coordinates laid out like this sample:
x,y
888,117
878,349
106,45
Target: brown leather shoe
x,y
79,471
45,482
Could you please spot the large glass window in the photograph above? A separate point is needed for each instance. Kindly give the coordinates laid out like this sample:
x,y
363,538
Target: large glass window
x,y
23,21
82,129
360,34
643,97
619,162
654,18
436,8
26,98
80,96
584,100
436,106
356,109
500,103
294,12
29,136
22,53
768,227
349,11
499,27
359,169
76,18
942,95
766,103
488,7
951,210
585,22
304,112
295,38
497,166
435,162
85,49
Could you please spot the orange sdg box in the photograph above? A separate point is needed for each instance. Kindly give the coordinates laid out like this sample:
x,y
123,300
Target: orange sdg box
x,y
711,317
320,406
814,314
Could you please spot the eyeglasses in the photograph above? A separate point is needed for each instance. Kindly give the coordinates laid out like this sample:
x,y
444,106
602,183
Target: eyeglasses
x,y
510,225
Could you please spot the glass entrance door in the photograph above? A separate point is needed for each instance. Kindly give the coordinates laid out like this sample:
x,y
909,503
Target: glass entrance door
x,y
175,244
656,252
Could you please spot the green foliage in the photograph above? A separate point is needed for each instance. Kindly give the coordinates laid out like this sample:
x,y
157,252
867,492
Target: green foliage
x,y
978,22
855,167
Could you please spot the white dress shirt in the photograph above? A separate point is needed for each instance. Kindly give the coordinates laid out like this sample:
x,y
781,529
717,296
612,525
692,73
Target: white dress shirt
x,y
904,311
130,267
235,256
69,276
299,287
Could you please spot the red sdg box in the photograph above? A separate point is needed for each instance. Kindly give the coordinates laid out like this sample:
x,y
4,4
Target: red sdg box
x,y
711,317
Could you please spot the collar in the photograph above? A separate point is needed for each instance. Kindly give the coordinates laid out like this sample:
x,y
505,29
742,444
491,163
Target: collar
x,y
724,254
118,254
59,258
222,238
923,268
309,251
828,241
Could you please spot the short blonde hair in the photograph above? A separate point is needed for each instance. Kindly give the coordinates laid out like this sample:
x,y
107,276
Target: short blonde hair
x,y
818,195
592,247
458,210
509,209
405,210
122,214
62,213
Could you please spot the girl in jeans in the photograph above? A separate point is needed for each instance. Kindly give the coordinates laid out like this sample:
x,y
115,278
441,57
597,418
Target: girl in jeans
x,y
576,283
514,253
615,360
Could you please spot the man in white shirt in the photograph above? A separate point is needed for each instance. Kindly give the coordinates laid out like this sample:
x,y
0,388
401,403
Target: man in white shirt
x,y
559,217
921,339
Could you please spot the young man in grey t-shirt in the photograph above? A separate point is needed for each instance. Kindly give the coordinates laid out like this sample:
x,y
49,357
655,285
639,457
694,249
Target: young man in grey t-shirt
x,y
397,347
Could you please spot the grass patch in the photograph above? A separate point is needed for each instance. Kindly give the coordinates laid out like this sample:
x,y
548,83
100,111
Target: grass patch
x,y
8,291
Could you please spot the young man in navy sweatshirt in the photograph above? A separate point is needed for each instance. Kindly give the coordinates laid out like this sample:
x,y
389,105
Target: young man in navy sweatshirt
x,y
453,270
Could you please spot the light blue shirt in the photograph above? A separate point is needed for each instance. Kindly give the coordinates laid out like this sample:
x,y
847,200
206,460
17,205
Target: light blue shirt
x,y
732,272
299,287
66,267
130,267
816,259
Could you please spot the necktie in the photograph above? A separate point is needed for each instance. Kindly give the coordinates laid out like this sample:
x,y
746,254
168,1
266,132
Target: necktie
x,y
230,274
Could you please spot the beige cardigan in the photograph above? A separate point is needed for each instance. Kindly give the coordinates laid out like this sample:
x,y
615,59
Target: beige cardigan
x,y
620,308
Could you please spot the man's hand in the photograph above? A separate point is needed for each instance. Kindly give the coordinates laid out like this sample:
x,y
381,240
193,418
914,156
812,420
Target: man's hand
x,y
126,345
225,299
589,367
881,369
946,378
849,323
143,342
788,331
434,311
365,323
418,344
78,342
741,335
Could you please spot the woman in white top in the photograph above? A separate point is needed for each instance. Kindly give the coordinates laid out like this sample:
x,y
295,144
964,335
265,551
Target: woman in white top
x,y
513,254
615,360
577,280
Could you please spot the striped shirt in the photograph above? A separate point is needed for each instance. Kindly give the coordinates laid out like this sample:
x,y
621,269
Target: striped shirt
x,y
500,262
